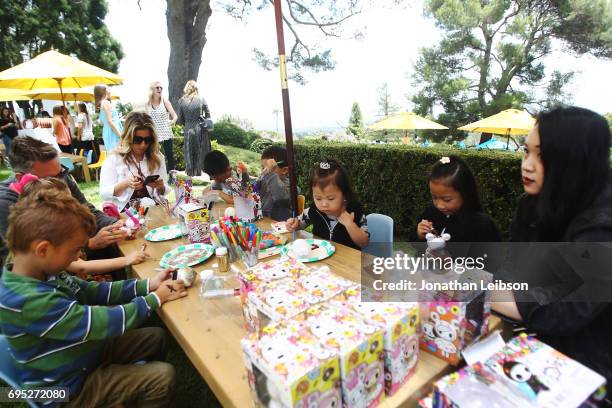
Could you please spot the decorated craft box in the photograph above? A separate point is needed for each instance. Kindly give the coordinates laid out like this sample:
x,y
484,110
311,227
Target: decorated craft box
x,y
282,289
195,220
321,283
525,373
260,274
453,319
288,367
360,347
543,375
401,342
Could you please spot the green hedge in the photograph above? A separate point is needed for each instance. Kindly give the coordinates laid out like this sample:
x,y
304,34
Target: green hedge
x,y
392,179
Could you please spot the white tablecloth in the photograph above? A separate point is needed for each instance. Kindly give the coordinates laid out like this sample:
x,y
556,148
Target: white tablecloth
x,y
42,134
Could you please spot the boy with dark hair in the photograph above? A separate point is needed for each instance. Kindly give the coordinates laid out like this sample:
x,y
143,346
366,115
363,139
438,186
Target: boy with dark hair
x,y
274,184
66,332
217,166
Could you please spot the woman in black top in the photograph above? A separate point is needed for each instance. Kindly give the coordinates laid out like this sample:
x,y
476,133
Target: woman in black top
x,y
8,126
561,234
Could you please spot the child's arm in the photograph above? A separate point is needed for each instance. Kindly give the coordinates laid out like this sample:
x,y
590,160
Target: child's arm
x,y
64,318
98,266
357,234
226,197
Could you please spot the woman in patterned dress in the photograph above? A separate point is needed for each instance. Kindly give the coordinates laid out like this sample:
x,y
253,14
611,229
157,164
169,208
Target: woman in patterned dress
x,y
164,118
197,142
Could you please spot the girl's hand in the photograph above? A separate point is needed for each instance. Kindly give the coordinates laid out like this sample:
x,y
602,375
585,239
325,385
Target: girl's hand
x,y
292,224
136,257
346,218
160,277
171,290
423,228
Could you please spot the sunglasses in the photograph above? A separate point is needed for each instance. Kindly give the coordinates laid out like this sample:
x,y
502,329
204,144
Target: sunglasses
x,y
139,139
159,88
63,173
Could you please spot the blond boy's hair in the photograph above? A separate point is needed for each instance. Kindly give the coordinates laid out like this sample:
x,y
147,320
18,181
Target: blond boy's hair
x,y
46,212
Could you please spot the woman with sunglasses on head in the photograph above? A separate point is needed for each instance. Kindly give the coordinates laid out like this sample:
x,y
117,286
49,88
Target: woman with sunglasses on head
x,y
164,118
136,168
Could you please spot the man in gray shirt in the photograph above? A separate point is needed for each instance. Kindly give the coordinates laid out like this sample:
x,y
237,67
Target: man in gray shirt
x,y
29,155
274,184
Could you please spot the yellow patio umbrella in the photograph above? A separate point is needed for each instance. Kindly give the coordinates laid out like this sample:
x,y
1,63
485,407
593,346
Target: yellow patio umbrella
x,y
69,94
406,121
52,69
7,94
509,122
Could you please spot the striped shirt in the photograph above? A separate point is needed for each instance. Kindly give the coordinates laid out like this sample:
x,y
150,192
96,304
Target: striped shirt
x,y
57,330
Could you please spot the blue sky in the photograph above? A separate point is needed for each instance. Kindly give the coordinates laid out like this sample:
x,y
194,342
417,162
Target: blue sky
x,y
233,83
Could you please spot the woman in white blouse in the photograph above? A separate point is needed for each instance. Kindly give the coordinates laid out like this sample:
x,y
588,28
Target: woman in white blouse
x,y
136,168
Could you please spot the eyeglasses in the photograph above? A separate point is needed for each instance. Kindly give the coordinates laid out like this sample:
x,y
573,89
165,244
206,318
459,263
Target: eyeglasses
x,y
159,88
139,139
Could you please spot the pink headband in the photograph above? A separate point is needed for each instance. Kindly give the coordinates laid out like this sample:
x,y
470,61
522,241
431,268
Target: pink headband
x,y
25,180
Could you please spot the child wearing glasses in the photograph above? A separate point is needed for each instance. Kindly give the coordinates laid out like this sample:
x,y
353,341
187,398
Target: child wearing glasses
x,y
136,168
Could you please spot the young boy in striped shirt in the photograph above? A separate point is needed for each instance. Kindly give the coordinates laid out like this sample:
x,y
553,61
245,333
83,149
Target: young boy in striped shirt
x,y
66,332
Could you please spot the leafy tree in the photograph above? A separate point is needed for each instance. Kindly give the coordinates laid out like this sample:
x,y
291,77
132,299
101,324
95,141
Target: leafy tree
x,y
490,57
608,117
386,106
187,20
355,123
30,27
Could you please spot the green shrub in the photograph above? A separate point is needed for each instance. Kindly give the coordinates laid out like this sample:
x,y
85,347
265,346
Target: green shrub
x,y
392,179
229,134
259,145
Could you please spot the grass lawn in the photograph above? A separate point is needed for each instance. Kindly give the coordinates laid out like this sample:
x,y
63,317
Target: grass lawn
x,y
191,389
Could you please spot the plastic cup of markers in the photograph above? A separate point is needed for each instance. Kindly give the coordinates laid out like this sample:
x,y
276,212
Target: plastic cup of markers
x,y
250,256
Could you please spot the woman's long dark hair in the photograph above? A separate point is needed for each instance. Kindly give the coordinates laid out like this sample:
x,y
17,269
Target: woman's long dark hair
x,y
575,149
458,175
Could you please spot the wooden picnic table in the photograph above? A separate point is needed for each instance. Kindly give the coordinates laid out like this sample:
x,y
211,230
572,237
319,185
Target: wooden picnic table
x,y
209,330
82,160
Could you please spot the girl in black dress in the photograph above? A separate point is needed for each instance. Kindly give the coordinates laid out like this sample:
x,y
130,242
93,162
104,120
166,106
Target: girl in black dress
x,y
455,208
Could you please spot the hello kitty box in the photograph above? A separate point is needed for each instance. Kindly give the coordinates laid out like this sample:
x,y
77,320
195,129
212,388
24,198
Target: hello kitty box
x,y
262,273
525,373
400,323
320,283
288,296
288,367
360,347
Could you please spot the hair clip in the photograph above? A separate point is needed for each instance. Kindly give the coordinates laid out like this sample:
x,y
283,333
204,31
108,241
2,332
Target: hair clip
x,y
25,180
445,160
324,165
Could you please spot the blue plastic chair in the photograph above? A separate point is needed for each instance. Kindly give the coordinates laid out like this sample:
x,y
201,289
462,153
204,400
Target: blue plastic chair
x,y
66,162
8,372
380,227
